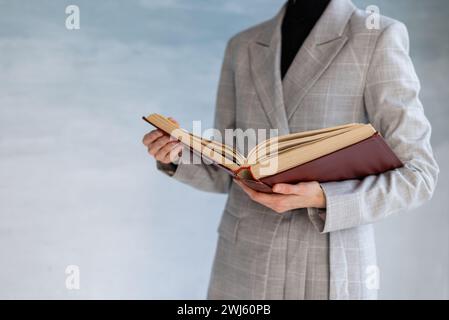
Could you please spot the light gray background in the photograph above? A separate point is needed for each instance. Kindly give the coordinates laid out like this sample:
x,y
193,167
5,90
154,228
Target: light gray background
x,y
77,187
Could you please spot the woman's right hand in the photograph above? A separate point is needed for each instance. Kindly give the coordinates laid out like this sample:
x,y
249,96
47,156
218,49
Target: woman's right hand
x,y
162,147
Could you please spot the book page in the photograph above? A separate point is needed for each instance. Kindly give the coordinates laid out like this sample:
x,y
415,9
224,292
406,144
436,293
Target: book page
x,y
261,151
299,155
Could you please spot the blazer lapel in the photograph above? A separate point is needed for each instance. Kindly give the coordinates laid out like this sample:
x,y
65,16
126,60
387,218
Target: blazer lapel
x,y
265,62
323,44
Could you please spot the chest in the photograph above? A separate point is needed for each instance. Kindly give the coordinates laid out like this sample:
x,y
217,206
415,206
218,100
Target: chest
x,y
334,97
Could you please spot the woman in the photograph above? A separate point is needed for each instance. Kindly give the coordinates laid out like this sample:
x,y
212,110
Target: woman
x,y
312,240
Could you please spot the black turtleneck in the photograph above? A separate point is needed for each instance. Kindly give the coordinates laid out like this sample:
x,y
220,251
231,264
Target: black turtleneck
x,y
299,19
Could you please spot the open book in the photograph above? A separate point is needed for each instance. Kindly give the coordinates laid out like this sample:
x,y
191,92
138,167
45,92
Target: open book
x,y
343,152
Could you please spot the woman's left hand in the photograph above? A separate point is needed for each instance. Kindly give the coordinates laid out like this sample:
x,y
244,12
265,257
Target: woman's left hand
x,y
289,196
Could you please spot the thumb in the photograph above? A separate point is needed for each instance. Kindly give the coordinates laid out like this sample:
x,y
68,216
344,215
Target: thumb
x,y
286,188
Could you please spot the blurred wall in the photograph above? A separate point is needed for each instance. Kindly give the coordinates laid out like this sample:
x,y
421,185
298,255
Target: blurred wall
x,y
77,187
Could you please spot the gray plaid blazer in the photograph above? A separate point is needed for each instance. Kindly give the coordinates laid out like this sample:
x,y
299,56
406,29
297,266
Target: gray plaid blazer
x,y
344,72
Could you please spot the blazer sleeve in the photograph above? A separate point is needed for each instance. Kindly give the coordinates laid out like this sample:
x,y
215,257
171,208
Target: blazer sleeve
x,y
393,107
190,170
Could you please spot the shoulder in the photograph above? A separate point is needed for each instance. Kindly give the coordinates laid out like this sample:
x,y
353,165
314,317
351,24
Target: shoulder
x,y
243,38
237,46
251,33
370,22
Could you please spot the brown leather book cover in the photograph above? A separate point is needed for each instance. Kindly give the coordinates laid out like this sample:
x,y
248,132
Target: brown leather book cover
x,y
368,157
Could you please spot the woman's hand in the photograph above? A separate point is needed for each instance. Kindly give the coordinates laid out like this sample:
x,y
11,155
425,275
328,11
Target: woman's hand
x,y
162,147
289,196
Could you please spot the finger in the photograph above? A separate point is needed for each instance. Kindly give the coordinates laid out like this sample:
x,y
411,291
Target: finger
x,y
286,188
275,202
158,144
176,153
166,148
151,136
261,197
164,151
169,153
